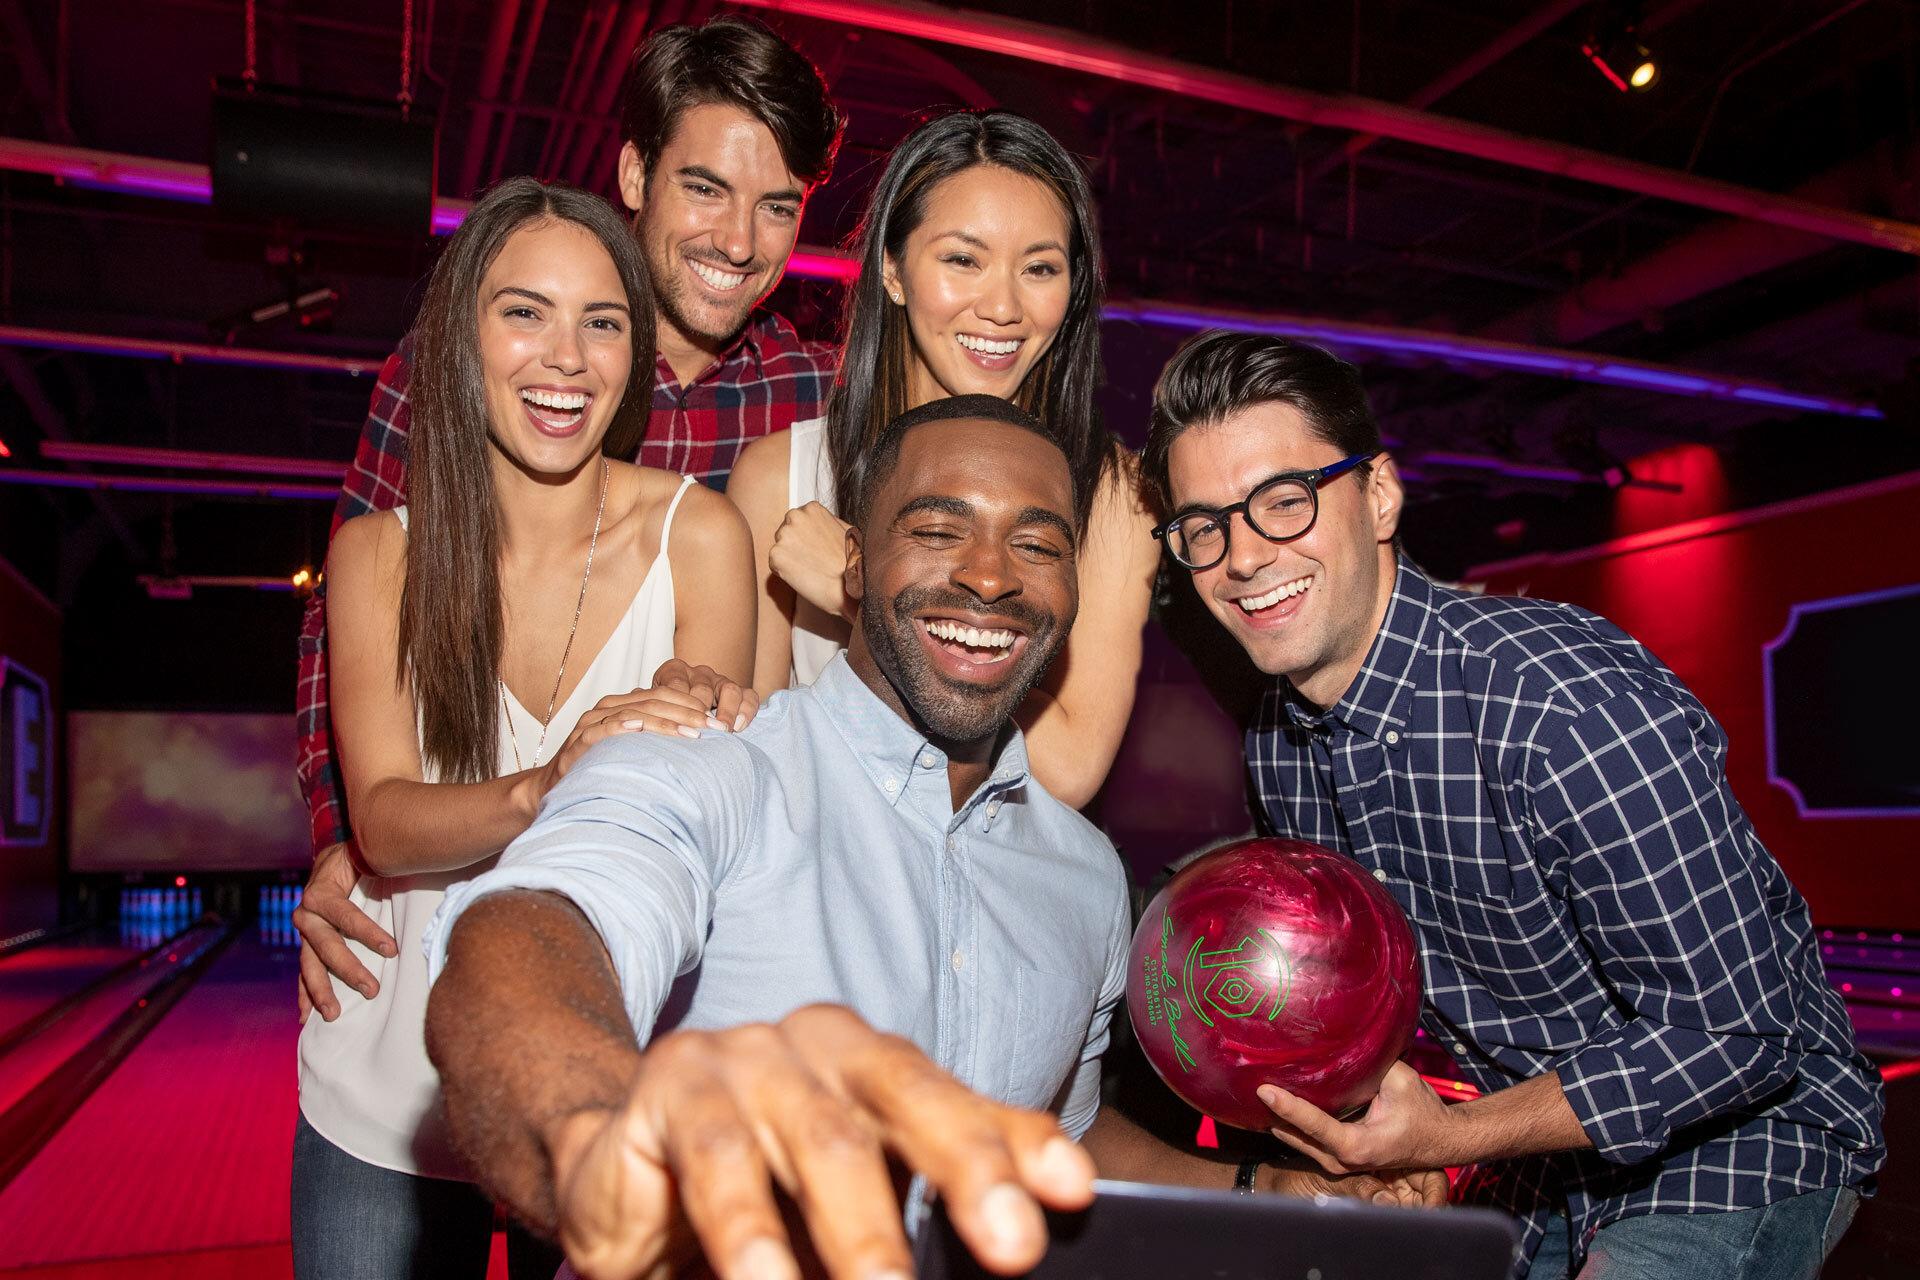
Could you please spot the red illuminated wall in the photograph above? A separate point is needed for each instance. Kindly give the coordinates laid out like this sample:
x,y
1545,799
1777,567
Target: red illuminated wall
x,y
30,874
1706,597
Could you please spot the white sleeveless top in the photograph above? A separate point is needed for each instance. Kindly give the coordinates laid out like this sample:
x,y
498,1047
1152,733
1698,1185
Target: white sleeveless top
x,y
365,1082
816,637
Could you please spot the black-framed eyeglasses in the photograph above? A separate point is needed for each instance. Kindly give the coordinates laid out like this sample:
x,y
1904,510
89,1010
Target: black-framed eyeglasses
x,y
1280,509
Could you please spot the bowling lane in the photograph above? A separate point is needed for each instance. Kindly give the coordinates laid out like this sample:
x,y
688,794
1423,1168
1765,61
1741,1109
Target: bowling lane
x,y
38,978
185,1148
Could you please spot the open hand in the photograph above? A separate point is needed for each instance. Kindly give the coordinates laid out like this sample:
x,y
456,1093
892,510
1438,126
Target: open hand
x,y
1406,1127
715,1120
809,553
326,917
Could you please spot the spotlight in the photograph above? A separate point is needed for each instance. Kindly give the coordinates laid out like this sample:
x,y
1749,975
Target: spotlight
x,y
1614,49
303,580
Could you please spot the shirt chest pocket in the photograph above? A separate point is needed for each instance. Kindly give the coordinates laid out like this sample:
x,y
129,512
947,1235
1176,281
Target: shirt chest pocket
x,y
1042,1030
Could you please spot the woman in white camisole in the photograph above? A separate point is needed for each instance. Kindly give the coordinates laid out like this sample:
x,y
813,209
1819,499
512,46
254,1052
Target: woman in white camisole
x,y
481,640
979,274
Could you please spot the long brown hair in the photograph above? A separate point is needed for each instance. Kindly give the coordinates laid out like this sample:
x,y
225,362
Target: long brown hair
x,y
451,614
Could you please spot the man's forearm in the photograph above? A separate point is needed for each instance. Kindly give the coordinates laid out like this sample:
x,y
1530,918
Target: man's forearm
x,y
1123,1150
527,1028
1531,1118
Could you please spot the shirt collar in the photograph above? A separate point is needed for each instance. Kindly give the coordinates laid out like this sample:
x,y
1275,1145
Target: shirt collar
x,y
765,334
892,749
1380,698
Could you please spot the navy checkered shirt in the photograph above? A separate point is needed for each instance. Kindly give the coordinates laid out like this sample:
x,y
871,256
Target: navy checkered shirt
x,y
1550,805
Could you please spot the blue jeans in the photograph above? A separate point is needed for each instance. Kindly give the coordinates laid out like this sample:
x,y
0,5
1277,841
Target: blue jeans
x,y
1786,1240
356,1221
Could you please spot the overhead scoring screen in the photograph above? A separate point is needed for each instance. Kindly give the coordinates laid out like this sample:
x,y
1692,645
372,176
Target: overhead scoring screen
x,y
166,791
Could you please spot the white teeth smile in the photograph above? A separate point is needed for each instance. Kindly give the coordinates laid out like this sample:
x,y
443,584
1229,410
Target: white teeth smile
x,y
571,400
717,278
973,637
1286,589
987,346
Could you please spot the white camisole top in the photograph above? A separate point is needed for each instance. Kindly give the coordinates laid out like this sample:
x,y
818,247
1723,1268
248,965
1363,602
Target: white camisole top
x,y
816,637
365,1082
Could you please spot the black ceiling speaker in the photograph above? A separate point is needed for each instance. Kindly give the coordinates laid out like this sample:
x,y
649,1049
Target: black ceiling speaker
x,y
322,160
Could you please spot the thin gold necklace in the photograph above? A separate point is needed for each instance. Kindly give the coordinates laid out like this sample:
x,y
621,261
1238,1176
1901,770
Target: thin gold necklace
x,y
565,653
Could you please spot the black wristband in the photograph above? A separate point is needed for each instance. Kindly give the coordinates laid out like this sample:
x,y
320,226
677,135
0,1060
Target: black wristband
x,y
1243,1176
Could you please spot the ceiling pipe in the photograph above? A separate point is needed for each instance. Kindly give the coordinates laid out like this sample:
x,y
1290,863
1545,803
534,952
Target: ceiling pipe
x,y
121,455
1577,366
1711,258
1521,33
12,335
579,164
1072,51
1514,469
493,67
509,109
1508,357
164,484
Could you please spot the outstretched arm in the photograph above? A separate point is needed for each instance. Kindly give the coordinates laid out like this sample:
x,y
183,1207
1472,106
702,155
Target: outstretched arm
x,y
636,1158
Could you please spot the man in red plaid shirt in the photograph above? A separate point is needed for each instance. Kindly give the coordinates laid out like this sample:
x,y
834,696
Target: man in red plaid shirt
x,y
727,129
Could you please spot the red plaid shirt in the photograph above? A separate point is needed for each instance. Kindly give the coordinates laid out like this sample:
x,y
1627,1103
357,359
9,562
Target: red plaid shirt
x,y
765,382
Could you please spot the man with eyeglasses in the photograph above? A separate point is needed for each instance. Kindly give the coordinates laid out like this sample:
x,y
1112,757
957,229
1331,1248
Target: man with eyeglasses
x,y
1610,954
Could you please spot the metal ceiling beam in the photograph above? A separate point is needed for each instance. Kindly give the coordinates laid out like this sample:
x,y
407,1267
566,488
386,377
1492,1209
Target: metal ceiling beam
x,y
99,483
13,335
1073,51
123,455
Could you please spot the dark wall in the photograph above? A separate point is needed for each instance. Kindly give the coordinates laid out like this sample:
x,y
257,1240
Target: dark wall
x,y
1709,597
30,869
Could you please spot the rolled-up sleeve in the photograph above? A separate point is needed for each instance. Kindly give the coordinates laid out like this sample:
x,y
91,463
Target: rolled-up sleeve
x,y
638,836
1664,877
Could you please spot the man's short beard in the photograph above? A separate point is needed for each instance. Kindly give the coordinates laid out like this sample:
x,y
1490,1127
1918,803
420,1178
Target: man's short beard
x,y
946,711
669,296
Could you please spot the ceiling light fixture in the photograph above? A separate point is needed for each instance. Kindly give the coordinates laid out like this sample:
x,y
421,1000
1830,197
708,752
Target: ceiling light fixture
x,y
1613,47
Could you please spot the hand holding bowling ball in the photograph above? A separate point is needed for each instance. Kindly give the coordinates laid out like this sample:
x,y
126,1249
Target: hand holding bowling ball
x,y
1273,961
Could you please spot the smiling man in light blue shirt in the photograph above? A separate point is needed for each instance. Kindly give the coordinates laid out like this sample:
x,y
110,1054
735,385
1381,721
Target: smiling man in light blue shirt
x,y
856,927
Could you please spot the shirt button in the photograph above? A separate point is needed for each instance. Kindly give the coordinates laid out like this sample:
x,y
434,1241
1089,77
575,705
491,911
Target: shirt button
x,y
927,760
993,808
952,845
1458,1047
1380,874
1393,737
959,961
892,786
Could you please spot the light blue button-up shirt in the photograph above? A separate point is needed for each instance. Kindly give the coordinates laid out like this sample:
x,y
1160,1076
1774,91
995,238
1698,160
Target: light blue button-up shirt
x,y
817,856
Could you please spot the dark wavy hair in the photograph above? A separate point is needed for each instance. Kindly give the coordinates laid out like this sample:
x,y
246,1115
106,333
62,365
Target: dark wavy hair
x,y
1218,373
451,615
741,63
871,389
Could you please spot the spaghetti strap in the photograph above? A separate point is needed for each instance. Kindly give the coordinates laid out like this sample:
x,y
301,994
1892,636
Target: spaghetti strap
x,y
666,526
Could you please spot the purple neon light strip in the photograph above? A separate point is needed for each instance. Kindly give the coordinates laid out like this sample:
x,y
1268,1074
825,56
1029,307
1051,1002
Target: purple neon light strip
x,y
1767,650
1577,365
164,484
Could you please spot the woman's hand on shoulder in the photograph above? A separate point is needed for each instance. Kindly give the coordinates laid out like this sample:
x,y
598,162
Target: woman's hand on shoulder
x,y
682,701
810,555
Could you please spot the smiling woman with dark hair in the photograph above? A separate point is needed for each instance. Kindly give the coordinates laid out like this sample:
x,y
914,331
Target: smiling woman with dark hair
x,y
979,274
483,636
